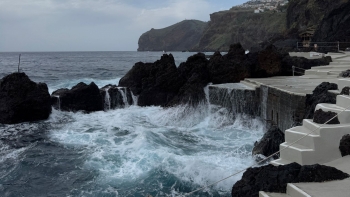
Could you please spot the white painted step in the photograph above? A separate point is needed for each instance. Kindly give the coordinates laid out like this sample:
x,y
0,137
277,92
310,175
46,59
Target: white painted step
x,y
297,153
343,116
267,194
310,125
343,101
249,84
316,72
294,191
337,67
301,135
345,82
279,162
339,63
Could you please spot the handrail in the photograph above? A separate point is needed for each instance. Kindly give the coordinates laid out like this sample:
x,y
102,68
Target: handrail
x,y
294,67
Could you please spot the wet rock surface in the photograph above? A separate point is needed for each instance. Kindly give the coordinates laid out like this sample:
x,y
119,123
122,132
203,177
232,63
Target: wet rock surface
x,y
319,95
23,100
117,97
275,178
321,117
344,145
345,91
269,143
81,97
345,74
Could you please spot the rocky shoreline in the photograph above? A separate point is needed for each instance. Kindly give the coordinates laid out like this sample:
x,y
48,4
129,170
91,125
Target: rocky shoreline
x,y
163,84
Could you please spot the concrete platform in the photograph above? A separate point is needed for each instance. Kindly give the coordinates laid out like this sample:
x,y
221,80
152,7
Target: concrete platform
x,y
296,85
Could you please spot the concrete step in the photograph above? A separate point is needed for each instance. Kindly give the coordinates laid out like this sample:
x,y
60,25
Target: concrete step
x,y
297,153
339,63
336,67
345,82
267,194
300,134
343,101
249,84
316,72
279,162
343,116
310,125
294,191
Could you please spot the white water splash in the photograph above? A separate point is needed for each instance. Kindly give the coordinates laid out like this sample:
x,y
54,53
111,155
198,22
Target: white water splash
x,y
58,102
107,103
135,99
122,91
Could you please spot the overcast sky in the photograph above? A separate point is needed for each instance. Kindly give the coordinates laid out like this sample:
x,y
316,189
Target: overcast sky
x,y
93,25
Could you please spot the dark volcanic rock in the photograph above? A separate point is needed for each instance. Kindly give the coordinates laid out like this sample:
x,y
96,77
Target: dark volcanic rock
x,y
345,74
275,178
345,91
119,97
344,145
269,143
322,117
195,72
319,95
335,26
155,83
81,97
161,83
23,100
232,67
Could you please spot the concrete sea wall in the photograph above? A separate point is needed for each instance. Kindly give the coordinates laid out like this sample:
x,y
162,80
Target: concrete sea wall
x,y
236,97
283,108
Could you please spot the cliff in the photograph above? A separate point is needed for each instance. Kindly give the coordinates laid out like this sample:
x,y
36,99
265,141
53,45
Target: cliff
x,y
335,26
182,36
280,27
241,25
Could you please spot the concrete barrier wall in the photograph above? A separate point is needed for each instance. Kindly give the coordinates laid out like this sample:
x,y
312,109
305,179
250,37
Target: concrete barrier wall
x,y
272,105
282,108
236,100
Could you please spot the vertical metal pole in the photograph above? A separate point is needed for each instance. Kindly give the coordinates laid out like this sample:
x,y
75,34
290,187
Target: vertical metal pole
x,y
19,61
293,68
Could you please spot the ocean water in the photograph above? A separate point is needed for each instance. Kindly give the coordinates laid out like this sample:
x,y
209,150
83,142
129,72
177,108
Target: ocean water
x,y
135,151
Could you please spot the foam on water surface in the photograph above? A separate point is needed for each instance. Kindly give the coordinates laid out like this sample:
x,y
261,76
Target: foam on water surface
x,y
179,148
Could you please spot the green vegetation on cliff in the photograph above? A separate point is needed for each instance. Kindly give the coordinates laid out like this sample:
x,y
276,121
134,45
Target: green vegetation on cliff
x,y
179,37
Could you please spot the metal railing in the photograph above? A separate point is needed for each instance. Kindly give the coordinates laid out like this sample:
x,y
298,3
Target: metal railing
x,y
318,45
293,69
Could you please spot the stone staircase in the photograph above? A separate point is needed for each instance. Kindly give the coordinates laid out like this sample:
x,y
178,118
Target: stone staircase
x,y
320,146
341,63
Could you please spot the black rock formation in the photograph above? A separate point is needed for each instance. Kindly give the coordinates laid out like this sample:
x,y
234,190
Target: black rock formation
x,y
269,143
162,84
345,74
319,95
344,145
345,91
275,178
81,97
335,26
23,100
322,117
119,97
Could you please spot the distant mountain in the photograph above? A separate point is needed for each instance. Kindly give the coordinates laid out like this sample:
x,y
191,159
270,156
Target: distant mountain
x,y
182,36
